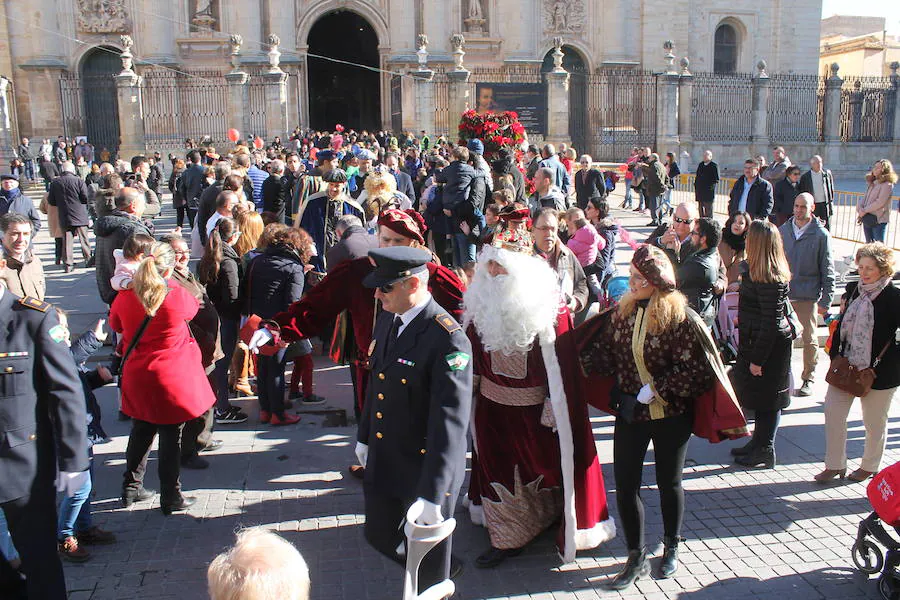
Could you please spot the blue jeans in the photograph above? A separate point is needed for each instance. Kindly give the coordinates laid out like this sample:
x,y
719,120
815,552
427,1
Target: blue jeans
x,y
75,510
270,382
229,331
876,233
628,196
29,169
642,202
7,548
463,250
667,200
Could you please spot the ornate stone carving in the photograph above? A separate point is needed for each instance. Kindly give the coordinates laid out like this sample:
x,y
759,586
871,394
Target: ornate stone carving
x,y
422,52
102,16
558,55
564,16
274,54
685,67
457,41
235,41
126,56
205,16
761,70
475,18
421,41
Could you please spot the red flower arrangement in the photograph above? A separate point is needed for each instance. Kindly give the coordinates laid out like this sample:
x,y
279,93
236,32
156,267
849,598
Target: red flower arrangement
x,y
495,130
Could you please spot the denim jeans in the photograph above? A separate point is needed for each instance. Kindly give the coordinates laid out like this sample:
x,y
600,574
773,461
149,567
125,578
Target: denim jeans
x,y
7,548
229,332
29,169
876,233
270,382
75,510
463,250
628,196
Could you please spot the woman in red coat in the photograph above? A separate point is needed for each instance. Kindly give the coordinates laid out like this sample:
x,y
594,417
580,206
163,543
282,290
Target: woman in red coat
x,y
163,384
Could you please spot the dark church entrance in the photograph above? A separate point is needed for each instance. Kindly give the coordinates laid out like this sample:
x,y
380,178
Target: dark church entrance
x,y
97,94
339,92
579,128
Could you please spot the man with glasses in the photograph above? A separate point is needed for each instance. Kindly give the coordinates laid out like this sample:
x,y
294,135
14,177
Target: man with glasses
x,y
697,275
675,239
785,191
751,193
589,183
570,276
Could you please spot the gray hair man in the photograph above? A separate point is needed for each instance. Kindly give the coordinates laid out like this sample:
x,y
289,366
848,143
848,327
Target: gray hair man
x,y
807,245
259,566
276,190
353,242
819,182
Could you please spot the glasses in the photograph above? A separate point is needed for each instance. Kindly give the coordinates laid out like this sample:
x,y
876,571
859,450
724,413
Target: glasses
x,y
697,233
181,252
387,288
684,221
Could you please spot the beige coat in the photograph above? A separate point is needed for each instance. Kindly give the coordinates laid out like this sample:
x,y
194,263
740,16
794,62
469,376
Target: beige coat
x,y
731,260
24,279
877,199
52,213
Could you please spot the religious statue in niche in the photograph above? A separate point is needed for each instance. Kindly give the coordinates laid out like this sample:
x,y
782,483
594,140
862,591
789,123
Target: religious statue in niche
x,y
564,16
475,21
205,16
102,16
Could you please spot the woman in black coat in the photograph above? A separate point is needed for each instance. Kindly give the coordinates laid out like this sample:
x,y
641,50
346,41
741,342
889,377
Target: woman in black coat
x,y
868,327
762,372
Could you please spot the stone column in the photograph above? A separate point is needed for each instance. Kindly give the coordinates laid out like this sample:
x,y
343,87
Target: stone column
x,y
759,123
667,103
131,108
558,98
238,90
685,98
7,143
832,125
458,78
424,82
276,93
895,83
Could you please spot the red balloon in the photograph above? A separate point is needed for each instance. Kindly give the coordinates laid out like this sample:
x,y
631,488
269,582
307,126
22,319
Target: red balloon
x,y
234,135
258,143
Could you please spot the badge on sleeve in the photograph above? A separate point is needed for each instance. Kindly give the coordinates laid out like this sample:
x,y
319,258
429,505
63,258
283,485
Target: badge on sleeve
x,y
58,333
457,361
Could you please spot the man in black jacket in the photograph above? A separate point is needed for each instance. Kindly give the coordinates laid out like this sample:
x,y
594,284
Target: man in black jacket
x,y
819,182
751,193
404,181
355,242
696,276
111,231
69,194
784,193
705,181
275,190
589,183
192,183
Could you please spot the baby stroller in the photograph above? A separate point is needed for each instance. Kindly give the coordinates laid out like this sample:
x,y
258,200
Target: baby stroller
x,y
725,329
884,495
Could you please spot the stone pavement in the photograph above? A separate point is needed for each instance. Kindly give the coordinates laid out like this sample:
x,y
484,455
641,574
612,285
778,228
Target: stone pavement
x,y
751,534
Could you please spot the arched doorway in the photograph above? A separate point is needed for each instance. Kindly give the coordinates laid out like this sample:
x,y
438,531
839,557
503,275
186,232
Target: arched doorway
x,y
579,129
100,99
340,92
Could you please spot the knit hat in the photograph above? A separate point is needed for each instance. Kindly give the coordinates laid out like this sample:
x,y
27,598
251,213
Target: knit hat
x,y
401,222
655,266
475,146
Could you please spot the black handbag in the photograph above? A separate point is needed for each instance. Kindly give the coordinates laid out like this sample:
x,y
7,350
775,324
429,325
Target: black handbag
x,y
623,404
869,220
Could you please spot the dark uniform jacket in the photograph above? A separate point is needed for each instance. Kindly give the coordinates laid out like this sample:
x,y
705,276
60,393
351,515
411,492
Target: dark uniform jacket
x,y
42,413
417,408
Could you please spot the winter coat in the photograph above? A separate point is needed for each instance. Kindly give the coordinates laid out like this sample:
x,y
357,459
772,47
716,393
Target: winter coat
x,y
696,277
14,201
52,213
561,177
554,199
705,181
784,194
589,183
731,259
178,199
456,177
225,291
111,231
765,341
163,381
656,178
69,194
24,278
205,324
586,243
811,262
355,243
877,200
274,281
275,192
192,181
759,198
605,265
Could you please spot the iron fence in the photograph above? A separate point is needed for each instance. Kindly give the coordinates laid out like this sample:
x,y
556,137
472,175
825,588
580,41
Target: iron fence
x,y
722,107
179,106
796,107
621,112
89,107
441,86
868,106
256,106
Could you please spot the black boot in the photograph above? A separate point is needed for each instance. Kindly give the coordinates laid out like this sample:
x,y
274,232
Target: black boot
x,y
636,567
669,563
758,457
743,450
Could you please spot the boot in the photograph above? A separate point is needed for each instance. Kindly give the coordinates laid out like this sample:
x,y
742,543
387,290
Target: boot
x,y
743,450
669,563
636,567
758,457
239,374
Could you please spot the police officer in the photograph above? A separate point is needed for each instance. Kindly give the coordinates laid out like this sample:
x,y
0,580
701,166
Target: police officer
x,y
412,432
43,421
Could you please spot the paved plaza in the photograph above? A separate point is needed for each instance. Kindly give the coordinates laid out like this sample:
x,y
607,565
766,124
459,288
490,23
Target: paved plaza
x,y
765,534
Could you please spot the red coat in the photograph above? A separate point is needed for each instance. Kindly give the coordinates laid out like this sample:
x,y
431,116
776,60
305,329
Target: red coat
x,y
163,380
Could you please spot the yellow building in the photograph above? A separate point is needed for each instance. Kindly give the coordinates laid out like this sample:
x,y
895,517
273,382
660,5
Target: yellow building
x,y
862,54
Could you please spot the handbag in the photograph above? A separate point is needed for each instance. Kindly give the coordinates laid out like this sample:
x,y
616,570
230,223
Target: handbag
x,y
846,377
869,220
251,326
792,319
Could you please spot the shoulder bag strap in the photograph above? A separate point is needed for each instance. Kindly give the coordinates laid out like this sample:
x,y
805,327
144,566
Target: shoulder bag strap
x,y
137,337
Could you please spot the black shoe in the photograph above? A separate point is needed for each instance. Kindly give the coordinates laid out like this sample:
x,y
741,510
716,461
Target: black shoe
x,y
652,224
184,503
69,268
195,462
669,563
495,556
806,388
212,446
230,416
743,450
758,457
89,262
312,400
130,497
636,567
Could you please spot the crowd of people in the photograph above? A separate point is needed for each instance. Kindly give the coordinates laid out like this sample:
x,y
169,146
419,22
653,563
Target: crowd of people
x,y
484,286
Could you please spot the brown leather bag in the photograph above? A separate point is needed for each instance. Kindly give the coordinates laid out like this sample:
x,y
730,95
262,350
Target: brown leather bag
x,y
846,377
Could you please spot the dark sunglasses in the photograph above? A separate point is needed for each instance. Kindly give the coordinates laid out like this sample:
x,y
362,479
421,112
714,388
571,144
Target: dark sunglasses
x,y
387,288
680,220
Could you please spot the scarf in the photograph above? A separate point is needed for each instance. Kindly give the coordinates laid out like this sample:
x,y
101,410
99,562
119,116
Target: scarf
x,y
858,324
737,242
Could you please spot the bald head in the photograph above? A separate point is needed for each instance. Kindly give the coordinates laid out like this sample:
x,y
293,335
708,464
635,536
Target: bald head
x,y
804,204
684,216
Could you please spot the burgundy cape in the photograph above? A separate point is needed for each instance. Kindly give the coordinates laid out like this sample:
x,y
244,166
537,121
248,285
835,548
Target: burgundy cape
x,y
342,289
717,414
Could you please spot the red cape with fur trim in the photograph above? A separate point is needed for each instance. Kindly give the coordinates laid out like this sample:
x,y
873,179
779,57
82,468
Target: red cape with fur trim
x,y
717,415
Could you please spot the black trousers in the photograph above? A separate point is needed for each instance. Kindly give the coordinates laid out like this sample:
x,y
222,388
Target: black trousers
x,y
196,434
180,213
670,439
821,211
765,427
706,209
169,459
69,234
32,525
385,518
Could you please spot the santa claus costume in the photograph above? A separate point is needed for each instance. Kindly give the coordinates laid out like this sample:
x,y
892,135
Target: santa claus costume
x,y
534,460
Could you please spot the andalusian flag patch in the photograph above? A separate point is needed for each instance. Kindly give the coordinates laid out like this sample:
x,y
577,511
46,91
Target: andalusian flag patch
x,y
57,333
457,360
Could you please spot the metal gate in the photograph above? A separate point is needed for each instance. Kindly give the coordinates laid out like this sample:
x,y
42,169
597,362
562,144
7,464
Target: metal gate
x,y
397,104
90,108
621,112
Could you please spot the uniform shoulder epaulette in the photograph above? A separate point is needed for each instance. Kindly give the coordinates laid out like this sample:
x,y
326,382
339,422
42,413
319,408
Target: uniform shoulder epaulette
x,y
36,304
447,322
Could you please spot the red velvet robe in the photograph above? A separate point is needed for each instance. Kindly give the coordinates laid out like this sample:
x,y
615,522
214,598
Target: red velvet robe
x,y
341,290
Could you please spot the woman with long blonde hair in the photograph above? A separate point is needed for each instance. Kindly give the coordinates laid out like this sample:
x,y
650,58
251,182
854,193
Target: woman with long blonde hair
x,y
762,372
162,379
379,195
250,224
874,208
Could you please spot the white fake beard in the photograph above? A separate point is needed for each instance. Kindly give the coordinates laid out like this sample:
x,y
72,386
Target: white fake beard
x,y
510,311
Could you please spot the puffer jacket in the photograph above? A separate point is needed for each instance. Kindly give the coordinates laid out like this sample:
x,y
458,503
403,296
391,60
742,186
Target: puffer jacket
x,y
225,291
586,243
274,281
457,177
111,231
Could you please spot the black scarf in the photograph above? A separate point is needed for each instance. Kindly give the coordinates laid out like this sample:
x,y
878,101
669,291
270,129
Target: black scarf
x,y
735,241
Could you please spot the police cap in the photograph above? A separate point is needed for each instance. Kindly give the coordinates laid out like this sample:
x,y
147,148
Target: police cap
x,y
395,263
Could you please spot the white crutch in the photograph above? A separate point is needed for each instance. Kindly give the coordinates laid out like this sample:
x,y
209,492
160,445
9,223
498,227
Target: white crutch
x,y
420,540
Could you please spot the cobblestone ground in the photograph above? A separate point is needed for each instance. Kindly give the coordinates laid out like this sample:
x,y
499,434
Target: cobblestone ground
x,y
750,534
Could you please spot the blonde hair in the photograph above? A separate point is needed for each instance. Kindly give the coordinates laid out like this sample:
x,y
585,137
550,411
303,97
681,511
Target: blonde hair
x,y
380,189
261,565
887,172
665,309
881,254
150,286
765,254
250,224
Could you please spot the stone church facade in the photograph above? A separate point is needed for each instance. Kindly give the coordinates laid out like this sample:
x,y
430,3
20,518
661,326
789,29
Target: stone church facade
x,y
45,41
